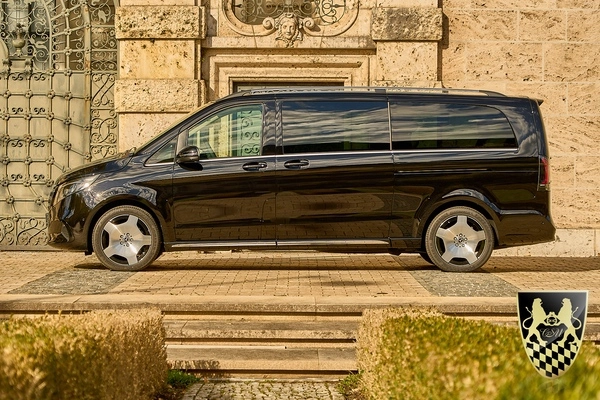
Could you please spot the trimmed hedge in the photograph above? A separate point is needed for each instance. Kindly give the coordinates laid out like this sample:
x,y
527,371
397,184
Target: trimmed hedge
x,y
411,354
99,355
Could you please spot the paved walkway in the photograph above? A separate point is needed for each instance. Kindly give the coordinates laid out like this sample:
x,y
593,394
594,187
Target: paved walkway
x,y
309,280
251,389
289,274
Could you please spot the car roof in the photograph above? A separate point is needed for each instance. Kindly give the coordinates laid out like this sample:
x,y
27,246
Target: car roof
x,y
367,89
373,92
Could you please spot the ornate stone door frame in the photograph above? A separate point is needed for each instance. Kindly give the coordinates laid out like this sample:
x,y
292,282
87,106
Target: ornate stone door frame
x,y
226,70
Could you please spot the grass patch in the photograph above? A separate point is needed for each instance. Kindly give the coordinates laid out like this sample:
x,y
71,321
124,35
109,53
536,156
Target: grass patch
x,y
177,383
407,354
349,387
181,379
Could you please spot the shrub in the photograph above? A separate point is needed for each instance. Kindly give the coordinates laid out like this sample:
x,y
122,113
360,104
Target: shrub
x,y
100,355
409,354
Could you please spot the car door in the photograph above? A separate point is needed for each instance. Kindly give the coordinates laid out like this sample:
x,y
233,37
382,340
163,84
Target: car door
x,y
227,195
335,173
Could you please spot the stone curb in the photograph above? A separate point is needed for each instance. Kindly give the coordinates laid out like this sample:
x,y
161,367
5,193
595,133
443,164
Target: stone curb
x,y
260,304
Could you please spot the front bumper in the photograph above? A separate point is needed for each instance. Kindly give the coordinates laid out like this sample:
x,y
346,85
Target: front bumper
x,y
66,221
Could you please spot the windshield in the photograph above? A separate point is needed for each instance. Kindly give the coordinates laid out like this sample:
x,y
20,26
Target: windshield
x,y
142,148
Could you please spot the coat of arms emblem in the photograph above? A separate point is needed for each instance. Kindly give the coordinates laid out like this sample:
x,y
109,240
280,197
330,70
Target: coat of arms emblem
x,y
552,325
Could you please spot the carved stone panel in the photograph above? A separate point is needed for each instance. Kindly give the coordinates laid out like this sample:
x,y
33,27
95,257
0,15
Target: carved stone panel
x,y
290,20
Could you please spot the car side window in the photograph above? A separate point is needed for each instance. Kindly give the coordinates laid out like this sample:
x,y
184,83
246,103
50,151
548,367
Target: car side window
x,y
233,132
422,126
334,126
165,154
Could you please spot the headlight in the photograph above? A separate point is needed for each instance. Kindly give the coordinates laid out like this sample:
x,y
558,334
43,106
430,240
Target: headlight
x,y
68,188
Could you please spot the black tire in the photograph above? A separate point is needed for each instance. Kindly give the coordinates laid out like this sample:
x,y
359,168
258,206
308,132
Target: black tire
x,y
459,239
126,238
426,258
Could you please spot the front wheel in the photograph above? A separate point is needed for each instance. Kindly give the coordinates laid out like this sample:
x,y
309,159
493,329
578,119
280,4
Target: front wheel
x,y
459,239
126,238
426,258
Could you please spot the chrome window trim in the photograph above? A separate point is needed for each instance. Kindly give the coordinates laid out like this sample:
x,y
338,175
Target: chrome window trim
x,y
514,150
313,154
210,160
159,164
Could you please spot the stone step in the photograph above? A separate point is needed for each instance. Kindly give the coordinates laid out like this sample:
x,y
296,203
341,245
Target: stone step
x,y
278,347
292,331
181,331
255,346
263,361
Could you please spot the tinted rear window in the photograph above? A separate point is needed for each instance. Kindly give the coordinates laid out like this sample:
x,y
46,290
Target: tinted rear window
x,y
449,126
327,126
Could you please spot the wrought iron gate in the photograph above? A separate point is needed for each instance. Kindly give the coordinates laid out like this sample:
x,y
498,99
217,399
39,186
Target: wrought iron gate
x,y
59,63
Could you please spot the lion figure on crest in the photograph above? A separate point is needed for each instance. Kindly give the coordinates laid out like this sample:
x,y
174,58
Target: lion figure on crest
x,y
538,316
565,316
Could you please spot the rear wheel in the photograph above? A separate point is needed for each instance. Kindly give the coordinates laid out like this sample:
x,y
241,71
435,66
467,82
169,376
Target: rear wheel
x,y
126,238
459,239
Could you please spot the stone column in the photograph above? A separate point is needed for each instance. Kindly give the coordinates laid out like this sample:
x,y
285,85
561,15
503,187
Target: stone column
x,y
158,77
407,41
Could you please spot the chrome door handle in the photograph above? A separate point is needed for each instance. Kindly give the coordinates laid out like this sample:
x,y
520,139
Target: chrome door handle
x,y
296,164
254,166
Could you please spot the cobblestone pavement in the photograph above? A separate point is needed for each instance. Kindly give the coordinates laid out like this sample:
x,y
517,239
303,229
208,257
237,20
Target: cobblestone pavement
x,y
242,389
18,268
292,274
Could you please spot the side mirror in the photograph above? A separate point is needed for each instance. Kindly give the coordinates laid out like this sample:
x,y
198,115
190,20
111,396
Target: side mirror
x,y
188,155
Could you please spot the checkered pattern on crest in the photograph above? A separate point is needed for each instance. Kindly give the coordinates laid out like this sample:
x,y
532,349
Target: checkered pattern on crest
x,y
552,360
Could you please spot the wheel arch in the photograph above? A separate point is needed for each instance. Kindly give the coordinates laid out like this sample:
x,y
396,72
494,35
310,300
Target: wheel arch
x,y
465,198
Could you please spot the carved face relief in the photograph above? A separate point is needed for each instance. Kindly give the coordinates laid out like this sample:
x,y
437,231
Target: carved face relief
x,y
288,29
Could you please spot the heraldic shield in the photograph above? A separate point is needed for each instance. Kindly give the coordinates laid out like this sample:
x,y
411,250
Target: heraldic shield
x,y
552,325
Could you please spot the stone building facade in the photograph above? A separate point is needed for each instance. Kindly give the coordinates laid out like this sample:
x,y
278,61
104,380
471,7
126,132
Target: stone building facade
x,y
175,55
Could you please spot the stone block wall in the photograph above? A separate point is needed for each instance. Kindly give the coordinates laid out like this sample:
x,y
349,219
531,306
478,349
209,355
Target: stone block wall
x,y
158,65
177,54
548,49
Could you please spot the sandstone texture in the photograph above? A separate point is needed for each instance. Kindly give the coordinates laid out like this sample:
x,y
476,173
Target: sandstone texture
x,y
156,95
407,24
146,126
167,22
406,61
157,59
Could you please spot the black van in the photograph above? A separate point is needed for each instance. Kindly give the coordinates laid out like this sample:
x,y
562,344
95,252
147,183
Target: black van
x,y
449,174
